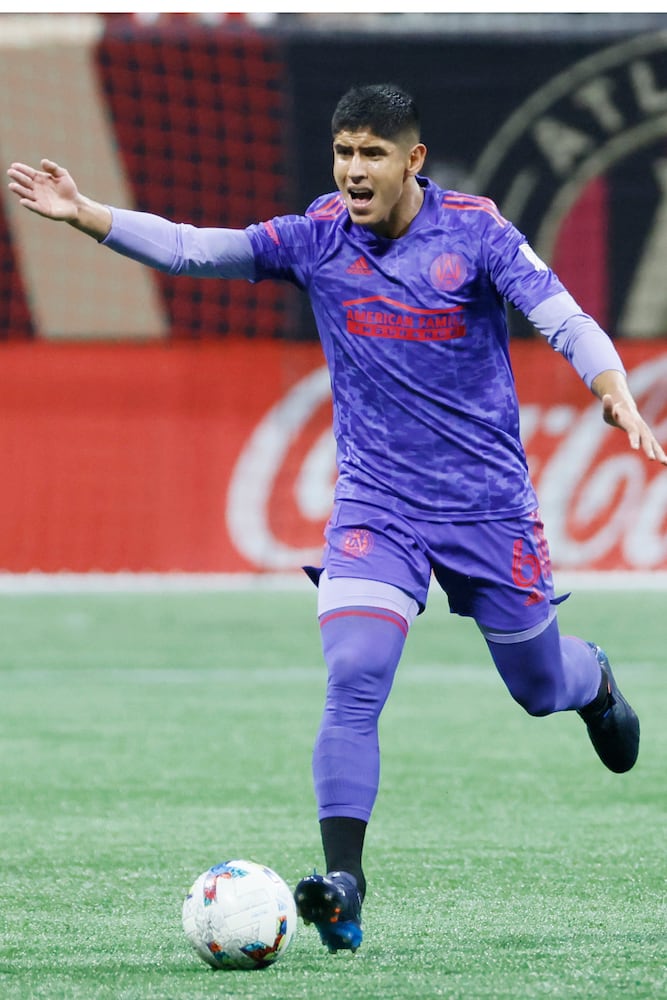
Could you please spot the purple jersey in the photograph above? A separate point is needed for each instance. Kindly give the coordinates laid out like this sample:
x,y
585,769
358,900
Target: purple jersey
x,y
426,416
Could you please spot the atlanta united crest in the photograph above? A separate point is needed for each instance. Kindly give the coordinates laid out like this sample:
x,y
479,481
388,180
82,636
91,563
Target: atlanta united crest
x,y
581,168
357,542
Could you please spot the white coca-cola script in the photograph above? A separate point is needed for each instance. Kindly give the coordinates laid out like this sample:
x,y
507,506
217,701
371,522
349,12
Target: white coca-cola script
x,y
604,505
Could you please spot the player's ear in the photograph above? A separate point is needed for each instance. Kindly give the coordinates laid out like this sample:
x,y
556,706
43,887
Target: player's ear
x,y
416,159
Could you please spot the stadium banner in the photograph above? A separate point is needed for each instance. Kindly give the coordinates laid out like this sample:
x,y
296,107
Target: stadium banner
x,y
218,458
219,125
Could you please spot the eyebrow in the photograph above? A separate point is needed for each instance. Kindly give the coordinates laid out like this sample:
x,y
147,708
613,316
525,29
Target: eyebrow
x,y
342,147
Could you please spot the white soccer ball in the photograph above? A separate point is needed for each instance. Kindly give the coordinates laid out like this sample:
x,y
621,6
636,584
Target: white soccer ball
x,y
239,915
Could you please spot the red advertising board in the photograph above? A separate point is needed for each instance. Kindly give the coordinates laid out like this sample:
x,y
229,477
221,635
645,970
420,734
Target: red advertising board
x,y
219,458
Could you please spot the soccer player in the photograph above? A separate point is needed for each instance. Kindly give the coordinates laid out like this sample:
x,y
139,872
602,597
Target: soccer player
x,y
408,285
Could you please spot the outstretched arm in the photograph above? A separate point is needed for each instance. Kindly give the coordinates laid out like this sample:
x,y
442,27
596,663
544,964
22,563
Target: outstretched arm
x,y
175,248
52,193
593,356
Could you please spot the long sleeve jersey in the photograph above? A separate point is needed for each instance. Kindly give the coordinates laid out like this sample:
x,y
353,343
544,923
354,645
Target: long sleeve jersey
x,y
415,336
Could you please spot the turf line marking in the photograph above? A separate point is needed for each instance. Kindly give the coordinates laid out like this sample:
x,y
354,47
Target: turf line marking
x,y
160,583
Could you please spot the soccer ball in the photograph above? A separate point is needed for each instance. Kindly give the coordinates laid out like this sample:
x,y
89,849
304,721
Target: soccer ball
x,y
239,915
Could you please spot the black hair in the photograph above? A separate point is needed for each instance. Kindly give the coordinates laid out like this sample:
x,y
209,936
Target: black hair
x,y
384,108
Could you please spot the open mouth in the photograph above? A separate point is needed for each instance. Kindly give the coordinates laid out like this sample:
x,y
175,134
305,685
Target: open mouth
x,y
360,197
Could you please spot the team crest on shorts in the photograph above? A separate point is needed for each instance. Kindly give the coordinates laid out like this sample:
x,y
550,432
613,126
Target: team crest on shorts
x,y
357,542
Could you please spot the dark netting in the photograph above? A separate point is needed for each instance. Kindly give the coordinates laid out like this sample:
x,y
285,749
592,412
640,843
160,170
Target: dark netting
x,y
200,119
216,122
15,321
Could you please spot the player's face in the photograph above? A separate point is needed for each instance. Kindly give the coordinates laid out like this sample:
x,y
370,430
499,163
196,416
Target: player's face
x,y
376,178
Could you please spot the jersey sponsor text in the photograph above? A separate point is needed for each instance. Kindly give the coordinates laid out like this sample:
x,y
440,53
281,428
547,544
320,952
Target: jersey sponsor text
x,y
384,318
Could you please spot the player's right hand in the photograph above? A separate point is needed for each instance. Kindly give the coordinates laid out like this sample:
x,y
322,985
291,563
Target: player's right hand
x,y
49,191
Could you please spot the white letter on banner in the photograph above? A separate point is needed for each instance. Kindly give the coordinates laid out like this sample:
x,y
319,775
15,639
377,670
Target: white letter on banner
x,y
252,481
579,483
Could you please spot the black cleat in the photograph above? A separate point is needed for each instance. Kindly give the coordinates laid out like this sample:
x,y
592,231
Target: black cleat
x,y
612,724
331,902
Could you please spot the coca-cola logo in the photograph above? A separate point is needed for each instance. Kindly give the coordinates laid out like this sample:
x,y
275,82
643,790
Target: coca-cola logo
x,y
279,527
604,506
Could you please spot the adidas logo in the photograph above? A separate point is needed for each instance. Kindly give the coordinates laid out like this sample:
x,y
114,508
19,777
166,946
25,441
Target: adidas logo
x,y
360,266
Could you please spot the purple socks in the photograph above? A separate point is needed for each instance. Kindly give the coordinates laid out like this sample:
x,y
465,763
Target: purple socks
x,y
548,673
362,647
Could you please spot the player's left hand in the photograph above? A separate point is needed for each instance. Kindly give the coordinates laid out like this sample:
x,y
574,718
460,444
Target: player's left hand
x,y
623,413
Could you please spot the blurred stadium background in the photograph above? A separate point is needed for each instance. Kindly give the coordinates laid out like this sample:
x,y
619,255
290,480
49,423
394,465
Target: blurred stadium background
x,y
155,424
161,434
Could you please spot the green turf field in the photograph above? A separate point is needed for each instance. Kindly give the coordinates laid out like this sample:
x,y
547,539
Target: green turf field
x,y
146,737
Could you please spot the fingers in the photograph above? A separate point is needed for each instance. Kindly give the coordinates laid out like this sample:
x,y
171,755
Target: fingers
x,y
23,173
21,185
22,179
653,449
27,182
50,167
640,435
23,168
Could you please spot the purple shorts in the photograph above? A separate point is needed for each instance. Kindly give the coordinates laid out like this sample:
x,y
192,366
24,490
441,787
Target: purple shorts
x,y
497,572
